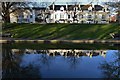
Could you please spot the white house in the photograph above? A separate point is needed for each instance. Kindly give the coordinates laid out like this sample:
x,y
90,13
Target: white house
x,y
26,15
79,13
75,13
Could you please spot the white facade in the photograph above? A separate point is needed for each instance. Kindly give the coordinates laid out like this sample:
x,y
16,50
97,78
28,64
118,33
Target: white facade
x,y
23,16
62,14
79,16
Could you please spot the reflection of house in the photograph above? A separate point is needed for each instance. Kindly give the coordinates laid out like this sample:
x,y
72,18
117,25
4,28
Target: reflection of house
x,y
64,52
63,14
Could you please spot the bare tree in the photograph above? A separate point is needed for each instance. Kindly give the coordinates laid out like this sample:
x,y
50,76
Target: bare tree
x,y
112,69
9,7
115,5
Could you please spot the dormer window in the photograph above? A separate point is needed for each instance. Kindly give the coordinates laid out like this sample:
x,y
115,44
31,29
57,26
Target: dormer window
x,y
62,8
76,8
90,9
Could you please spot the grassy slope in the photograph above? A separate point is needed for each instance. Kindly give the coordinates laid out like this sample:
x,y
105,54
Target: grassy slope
x,y
62,31
38,46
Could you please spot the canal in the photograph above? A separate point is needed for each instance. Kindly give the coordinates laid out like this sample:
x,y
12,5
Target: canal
x,y
35,60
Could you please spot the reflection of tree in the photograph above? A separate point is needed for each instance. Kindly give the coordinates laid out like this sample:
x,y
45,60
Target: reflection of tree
x,y
73,60
112,69
46,60
11,68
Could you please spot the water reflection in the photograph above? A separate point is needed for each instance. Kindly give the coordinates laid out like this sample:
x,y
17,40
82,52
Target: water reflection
x,y
53,63
63,52
11,68
112,69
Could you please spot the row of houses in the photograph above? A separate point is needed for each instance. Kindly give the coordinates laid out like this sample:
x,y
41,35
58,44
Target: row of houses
x,y
75,13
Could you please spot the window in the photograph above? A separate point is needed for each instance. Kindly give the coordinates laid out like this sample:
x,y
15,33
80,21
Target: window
x,y
68,16
30,16
47,16
55,16
62,15
103,17
82,16
89,16
75,16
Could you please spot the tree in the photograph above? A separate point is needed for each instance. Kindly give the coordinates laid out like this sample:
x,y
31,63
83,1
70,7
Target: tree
x,y
11,68
115,5
9,7
112,69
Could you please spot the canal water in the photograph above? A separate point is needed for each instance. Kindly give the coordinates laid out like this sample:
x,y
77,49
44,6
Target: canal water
x,y
28,62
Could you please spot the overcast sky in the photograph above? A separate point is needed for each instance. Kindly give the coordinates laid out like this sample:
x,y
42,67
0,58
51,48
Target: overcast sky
x,y
77,0
83,1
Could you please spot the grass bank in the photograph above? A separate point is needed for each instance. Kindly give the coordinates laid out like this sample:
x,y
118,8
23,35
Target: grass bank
x,y
61,31
37,46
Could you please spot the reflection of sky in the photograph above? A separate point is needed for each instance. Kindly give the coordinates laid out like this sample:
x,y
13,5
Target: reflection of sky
x,y
110,57
60,66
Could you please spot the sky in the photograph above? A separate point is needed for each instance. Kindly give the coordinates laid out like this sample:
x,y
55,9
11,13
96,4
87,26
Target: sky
x,y
77,1
83,1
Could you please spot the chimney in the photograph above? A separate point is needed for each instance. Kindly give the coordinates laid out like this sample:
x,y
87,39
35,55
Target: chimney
x,y
53,5
66,6
79,7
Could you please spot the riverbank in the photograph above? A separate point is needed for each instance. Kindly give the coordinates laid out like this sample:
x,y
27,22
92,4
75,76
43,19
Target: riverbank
x,y
61,31
7,40
65,44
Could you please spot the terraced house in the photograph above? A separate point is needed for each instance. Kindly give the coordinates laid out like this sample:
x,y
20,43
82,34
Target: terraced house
x,y
65,13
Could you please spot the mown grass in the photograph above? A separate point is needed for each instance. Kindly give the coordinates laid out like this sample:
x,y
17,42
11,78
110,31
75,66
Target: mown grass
x,y
62,31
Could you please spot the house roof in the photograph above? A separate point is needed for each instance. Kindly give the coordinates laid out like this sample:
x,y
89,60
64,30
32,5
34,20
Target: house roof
x,y
85,7
71,7
57,7
39,8
36,8
98,7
